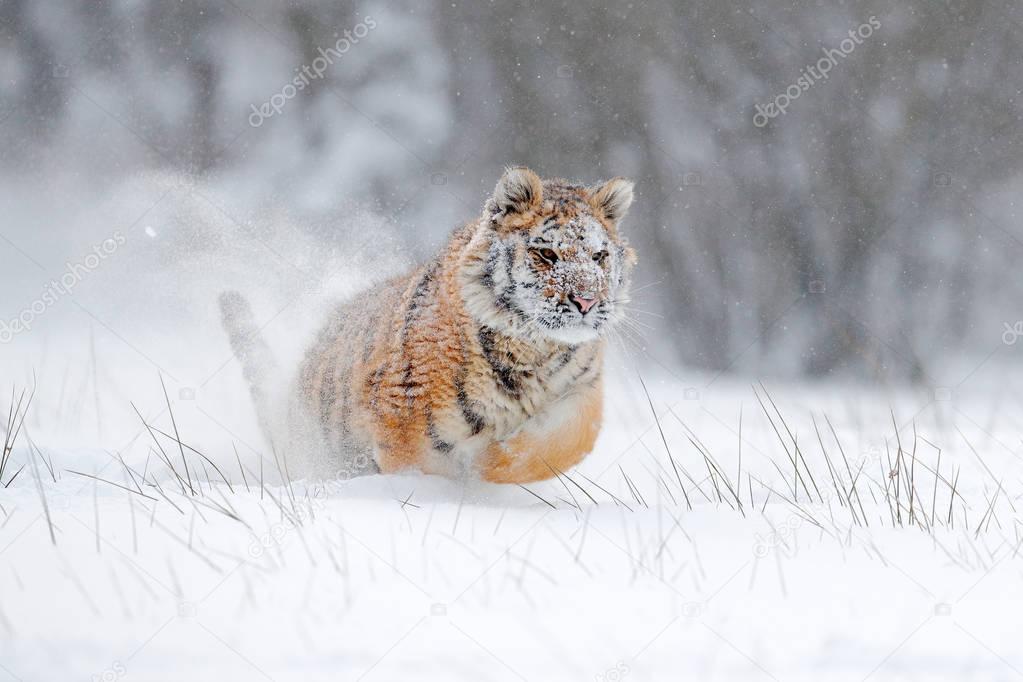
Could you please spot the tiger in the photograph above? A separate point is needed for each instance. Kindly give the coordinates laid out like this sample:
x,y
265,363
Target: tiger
x,y
486,362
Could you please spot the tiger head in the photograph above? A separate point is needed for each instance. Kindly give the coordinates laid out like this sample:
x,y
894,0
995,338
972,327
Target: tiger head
x,y
547,261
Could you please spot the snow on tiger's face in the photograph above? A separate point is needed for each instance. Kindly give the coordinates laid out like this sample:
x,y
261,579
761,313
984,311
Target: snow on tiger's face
x,y
555,267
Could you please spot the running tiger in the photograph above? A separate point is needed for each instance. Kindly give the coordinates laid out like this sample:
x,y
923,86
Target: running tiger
x,y
486,362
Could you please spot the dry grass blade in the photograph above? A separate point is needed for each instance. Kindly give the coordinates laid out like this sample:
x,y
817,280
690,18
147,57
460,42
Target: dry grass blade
x,y
712,466
848,469
39,453
585,492
42,497
664,440
843,495
536,496
116,485
165,458
557,475
11,479
798,478
192,449
799,510
632,488
607,492
15,421
174,423
795,444
240,467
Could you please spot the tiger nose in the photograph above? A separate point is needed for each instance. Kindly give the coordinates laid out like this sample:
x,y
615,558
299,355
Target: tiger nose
x,y
582,303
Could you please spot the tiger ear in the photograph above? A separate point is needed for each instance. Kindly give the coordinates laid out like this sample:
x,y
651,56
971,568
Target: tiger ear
x,y
519,190
613,198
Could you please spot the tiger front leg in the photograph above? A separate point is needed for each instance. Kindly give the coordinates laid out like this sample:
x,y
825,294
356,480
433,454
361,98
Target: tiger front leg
x,y
547,445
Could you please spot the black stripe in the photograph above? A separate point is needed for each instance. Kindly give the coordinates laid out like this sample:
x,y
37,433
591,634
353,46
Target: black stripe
x,y
373,382
509,260
586,366
474,419
563,359
421,291
419,294
504,298
489,267
505,303
582,372
439,444
507,378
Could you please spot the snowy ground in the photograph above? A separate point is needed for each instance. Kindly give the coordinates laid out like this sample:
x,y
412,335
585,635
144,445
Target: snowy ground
x,y
410,577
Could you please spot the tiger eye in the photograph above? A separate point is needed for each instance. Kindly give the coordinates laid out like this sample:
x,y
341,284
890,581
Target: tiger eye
x,y
549,256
